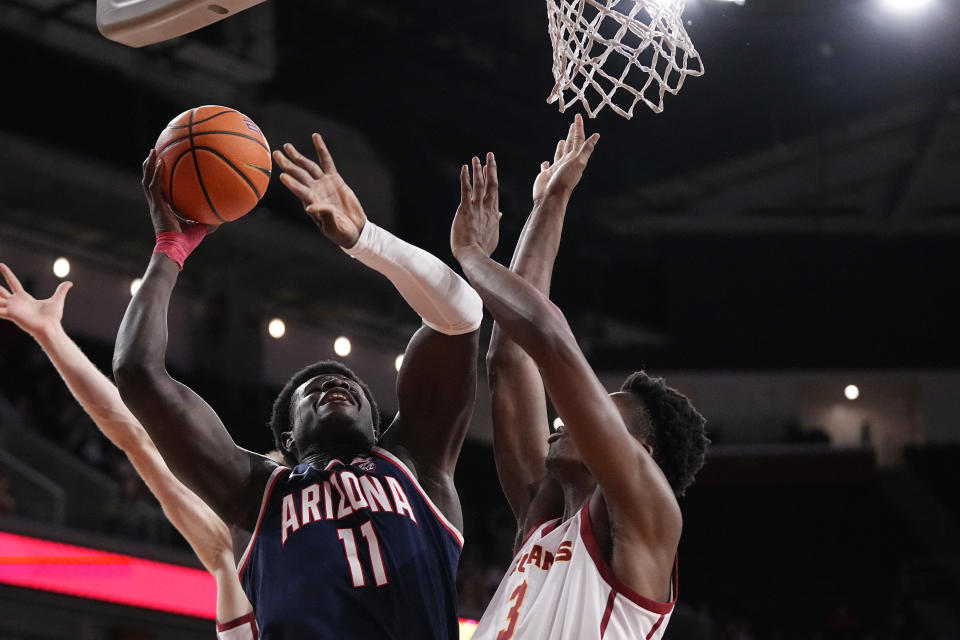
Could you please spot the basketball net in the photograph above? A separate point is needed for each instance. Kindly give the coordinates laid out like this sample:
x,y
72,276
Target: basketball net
x,y
617,53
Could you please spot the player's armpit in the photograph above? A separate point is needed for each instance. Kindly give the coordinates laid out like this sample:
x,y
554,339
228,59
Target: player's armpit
x,y
520,423
436,389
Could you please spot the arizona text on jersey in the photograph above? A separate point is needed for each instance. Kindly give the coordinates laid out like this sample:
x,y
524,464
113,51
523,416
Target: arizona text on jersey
x,y
356,550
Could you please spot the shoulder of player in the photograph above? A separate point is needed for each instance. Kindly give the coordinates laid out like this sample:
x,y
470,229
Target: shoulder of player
x,y
635,559
651,525
251,497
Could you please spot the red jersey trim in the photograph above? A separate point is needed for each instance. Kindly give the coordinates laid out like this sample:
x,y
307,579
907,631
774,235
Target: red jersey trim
x,y
586,532
267,490
608,612
233,624
551,525
386,455
656,626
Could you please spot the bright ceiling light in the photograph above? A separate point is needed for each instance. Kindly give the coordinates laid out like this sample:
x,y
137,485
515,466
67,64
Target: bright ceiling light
x,y
277,328
904,6
398,362
557,423
61,267
342,346
852,392
135,286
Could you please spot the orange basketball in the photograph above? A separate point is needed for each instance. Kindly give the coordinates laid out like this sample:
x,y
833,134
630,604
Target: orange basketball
x,y
216,164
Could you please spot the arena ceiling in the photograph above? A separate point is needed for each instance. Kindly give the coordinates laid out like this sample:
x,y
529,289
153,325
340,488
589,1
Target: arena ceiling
x,y
797,206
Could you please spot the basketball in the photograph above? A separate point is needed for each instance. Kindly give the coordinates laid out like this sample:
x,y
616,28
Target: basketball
x,y
216,164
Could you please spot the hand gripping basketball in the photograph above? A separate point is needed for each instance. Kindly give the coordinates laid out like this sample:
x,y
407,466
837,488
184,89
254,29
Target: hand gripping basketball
x,y
326,197
175,239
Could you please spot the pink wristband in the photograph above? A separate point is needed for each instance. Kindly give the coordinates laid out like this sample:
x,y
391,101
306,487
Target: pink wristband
x,y
178,245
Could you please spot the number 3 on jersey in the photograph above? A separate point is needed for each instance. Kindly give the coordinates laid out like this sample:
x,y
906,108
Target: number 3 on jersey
x,y
517,598
373,547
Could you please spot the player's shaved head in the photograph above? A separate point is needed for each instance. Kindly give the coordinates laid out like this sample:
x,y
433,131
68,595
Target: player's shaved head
x,y
281,418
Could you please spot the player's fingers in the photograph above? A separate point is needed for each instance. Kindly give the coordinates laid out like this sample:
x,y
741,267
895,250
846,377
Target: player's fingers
x,y
577,128
149,160
149,169
11,279
544,165
464,183
292,169
326,160
154,177
477,177
309,166
561,147
588,146
571,134
61,293
4,294
296,187
491,176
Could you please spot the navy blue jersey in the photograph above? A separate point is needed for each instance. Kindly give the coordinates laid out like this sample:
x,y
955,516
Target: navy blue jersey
x,y
354,551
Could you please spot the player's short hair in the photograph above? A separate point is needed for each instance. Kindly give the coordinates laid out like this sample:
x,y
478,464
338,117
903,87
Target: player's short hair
x,y
677,430
281,419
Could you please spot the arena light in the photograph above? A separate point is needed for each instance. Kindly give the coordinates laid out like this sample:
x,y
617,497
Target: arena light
x,y
277,328
342,346
398,362
851,392
135,286
69,569
61,267
904,6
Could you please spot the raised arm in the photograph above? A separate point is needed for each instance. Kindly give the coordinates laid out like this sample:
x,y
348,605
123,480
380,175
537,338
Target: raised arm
x,y
187,432
207,535
437,380
520,420
638,498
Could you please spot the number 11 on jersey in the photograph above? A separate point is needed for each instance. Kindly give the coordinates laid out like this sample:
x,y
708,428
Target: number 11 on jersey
x,y
373,547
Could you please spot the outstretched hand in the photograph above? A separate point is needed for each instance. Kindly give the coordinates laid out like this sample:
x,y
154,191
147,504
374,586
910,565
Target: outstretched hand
x,y
569,162
326,198
477,222
32,315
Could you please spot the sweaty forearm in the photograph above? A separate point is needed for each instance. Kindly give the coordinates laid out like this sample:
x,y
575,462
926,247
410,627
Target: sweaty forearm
x,y
93,390
539,242
524,314
142,339
442,299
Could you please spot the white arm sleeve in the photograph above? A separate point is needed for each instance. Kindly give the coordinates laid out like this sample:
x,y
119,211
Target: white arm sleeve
x,y
442,298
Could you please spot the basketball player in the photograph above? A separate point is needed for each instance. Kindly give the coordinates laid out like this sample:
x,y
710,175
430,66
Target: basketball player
x,y
203,530
359,536
595,501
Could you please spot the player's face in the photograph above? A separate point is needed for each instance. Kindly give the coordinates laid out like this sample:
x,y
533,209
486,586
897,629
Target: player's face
x,y
561,444
330,411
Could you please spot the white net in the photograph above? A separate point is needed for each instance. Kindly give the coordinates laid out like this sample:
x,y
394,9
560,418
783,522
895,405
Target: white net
x,y
618,53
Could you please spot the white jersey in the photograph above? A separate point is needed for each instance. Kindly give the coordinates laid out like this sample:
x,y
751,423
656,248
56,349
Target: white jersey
x,y
243,628
559,587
